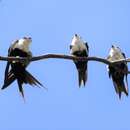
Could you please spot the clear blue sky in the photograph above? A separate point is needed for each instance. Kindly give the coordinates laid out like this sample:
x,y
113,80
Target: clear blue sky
x,y
51,24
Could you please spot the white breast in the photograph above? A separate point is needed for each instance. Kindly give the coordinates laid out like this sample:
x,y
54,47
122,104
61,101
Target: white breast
x,y
115,55
22,45
77,45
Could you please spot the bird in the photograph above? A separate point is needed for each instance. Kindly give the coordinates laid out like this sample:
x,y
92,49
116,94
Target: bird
x,y
118,71
80,48
16,70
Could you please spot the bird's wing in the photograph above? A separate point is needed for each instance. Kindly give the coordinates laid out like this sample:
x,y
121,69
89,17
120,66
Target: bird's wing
x,y
8,63
6,71
86,44
30,54
71,47
12,47
26,63
109,57
124,55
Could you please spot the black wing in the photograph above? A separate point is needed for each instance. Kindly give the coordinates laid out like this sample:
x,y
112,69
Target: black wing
x,y
8,63
86,44
124,55
70,47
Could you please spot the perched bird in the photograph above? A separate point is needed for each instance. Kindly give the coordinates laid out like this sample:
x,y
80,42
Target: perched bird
x,y
80,48
118,71
17,71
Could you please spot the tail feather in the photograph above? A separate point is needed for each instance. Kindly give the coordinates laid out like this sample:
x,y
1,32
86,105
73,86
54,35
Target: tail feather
x,y
20,88
123,88
82,77
85,76
32,80
120,87
127,89
119,95
8,81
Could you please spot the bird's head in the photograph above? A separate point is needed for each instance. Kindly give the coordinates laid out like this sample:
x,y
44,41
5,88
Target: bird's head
x,y
115,48
24,43
76,36
76,39
115,51
27,40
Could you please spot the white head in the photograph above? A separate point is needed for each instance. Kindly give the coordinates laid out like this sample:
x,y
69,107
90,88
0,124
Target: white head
x,y
76,40
25,40
114,49
115,53
23,43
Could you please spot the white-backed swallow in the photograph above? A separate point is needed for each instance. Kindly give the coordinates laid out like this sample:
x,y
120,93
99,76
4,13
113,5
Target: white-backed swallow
x,y
80,48
118,71
16,70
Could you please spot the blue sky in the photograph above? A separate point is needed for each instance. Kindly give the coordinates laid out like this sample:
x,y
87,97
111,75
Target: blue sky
x,y
51,24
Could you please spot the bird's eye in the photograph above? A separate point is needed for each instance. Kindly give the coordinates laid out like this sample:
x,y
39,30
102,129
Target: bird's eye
x,y
24,37
30,38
